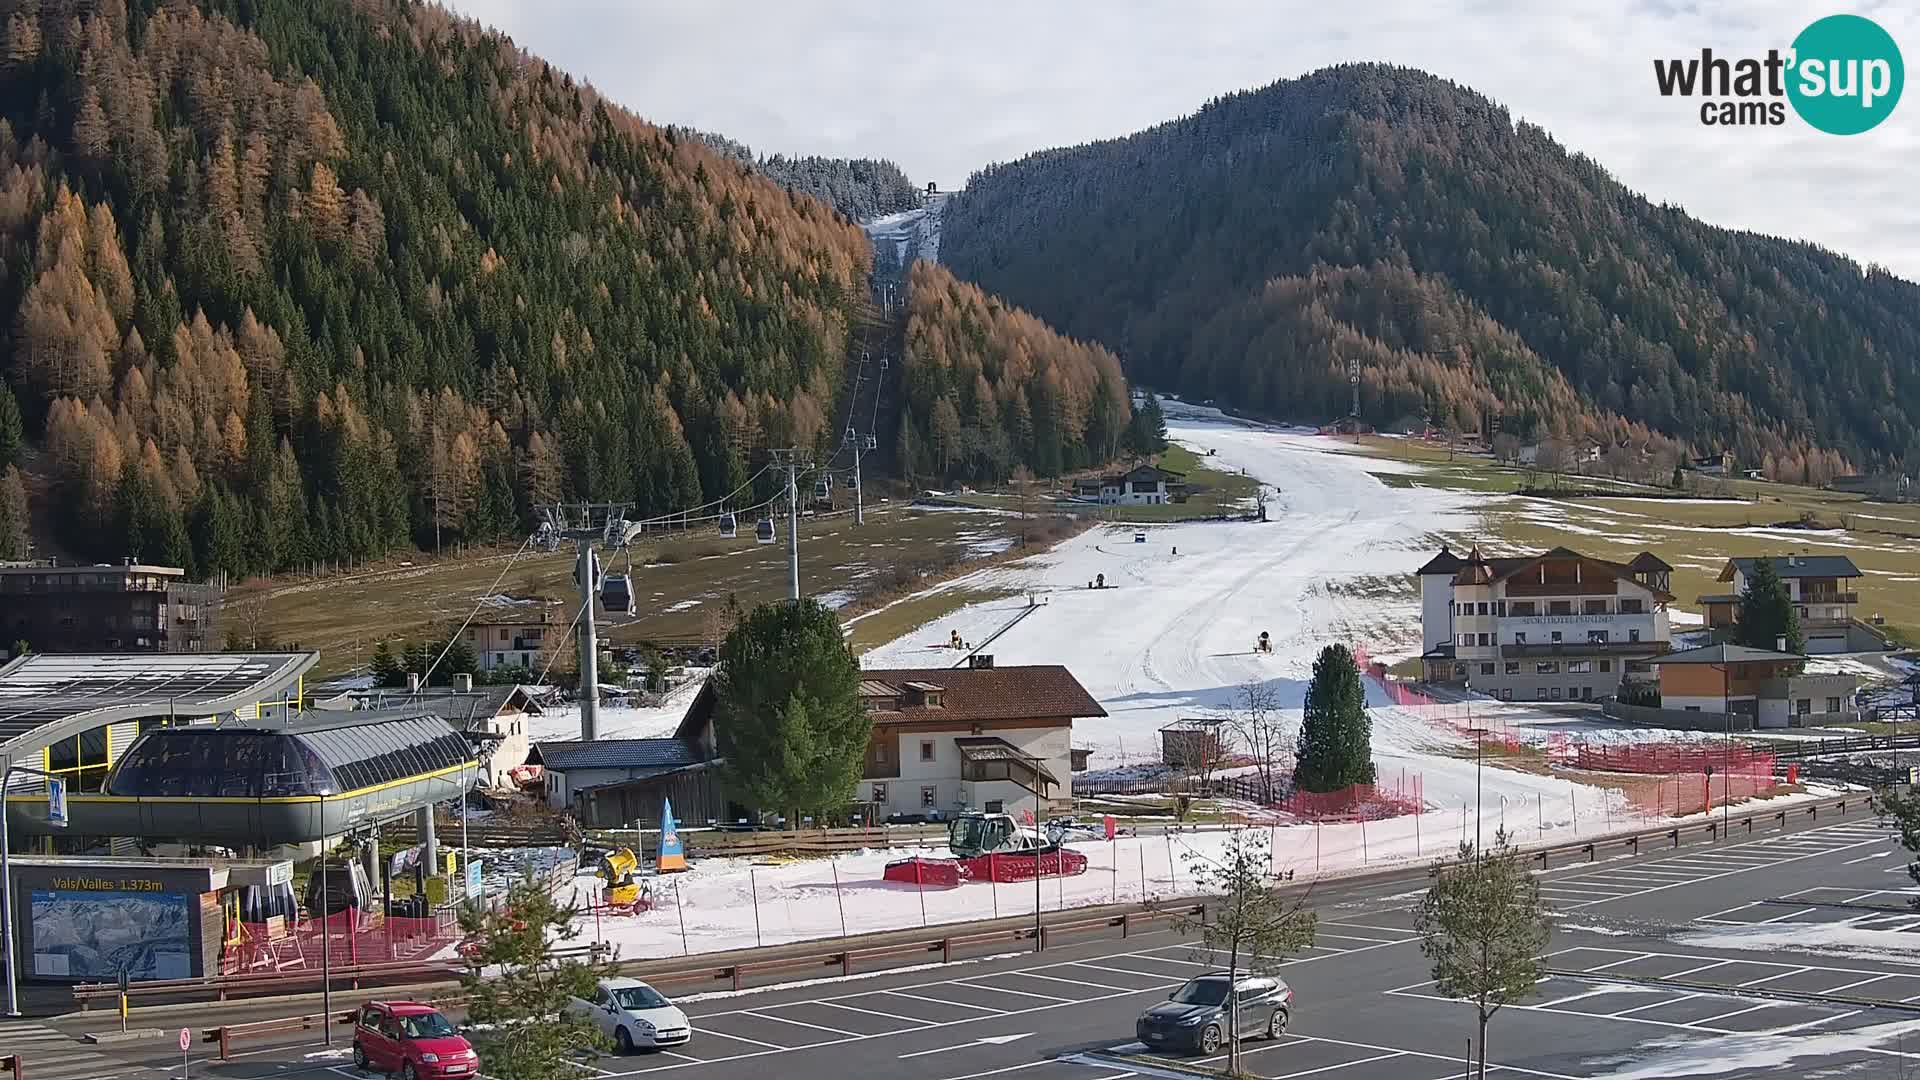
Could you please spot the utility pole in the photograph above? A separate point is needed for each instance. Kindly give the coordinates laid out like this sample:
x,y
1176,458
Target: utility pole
x,y
791,459
584,523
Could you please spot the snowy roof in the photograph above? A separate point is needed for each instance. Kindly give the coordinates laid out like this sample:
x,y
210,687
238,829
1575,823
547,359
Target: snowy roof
x,y
1795,566
967,696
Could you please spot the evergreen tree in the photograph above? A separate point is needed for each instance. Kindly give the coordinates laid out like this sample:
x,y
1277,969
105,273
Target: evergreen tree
x,y
1767,614
787,710
518,991
13,514
385,667
1336,749
12,433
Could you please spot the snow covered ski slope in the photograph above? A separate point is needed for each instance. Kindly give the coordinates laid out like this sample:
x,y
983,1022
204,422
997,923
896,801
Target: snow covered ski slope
x,y
1172,635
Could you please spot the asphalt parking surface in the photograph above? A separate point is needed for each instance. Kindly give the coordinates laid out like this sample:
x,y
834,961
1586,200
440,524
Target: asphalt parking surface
x,y
1641,987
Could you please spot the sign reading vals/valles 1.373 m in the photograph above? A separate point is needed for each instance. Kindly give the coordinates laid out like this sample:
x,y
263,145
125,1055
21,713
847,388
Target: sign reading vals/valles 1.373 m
x,y
1842,75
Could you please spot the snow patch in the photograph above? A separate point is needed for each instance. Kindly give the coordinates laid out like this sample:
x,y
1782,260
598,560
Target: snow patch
x,y
1745,1055
1828,939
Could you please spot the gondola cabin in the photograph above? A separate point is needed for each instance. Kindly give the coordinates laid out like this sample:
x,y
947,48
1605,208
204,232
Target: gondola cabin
x,y
728,527
763,532
616,594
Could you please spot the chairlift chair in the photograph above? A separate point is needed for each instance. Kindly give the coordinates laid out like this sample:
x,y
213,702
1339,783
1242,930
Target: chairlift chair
x,y
763,532
728,527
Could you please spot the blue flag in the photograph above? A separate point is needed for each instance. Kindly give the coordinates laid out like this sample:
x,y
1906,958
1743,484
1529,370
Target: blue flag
x,y
673,855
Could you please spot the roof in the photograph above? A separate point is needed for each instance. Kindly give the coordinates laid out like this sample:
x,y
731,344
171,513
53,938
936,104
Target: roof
x,y
1502,567
989,748
1795,566
48,696
985,695
463,709
94,568
968,696
1444,563
615,754
1646,562
1724,654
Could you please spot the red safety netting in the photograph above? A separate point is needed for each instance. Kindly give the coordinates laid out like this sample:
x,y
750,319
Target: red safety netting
x,y
1668,757
1360,802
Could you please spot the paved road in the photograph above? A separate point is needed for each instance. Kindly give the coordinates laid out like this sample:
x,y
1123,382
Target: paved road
x,y
1365,1007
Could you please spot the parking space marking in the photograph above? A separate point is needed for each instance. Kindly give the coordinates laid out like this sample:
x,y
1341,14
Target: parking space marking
x,y
1740,1012
706,1031
1295,1038
1355,937
1770,978
1073,982
802,1023
1651,1005
1342,1065
944,1001
1016,993
869,1012
1132,971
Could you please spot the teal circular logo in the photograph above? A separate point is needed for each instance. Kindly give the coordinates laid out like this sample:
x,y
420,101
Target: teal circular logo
x,y
1846,75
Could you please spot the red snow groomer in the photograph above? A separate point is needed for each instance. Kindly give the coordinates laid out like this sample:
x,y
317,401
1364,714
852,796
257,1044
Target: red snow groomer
x,y
990,847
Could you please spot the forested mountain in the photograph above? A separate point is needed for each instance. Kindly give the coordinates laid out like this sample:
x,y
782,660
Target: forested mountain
x,y
306,279
990,388
860,188
1471,266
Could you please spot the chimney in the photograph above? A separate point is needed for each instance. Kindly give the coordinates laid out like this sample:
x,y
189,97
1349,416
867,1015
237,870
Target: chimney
x,y
463,681
1780,644
413,682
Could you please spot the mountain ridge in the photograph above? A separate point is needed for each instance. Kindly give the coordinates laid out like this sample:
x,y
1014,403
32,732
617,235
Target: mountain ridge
x,y
1788,354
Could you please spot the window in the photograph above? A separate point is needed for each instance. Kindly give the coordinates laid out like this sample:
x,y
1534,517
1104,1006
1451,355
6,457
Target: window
x,y
1586,693
1539,693
1559,607
879,753
1556,637
1459,671
1513,667
1466,639
879,793
1596,637
1802,706
1595,607
1482,608
1500,608
1519,637
1524,608
1833,704
996,806
1483,639
1556,693
926,749
1579,667
929,796
503,634
1507,694
1547,667
1606,666
1633,607
1487,669
1693,708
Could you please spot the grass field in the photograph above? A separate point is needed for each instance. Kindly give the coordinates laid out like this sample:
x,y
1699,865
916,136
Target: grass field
x,y
677,581
1697,536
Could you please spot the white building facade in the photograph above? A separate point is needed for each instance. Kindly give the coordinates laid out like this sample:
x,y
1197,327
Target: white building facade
x,y
1559,626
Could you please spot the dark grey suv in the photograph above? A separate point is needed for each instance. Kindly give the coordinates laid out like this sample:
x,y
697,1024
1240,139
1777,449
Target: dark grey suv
x,y
1194,1017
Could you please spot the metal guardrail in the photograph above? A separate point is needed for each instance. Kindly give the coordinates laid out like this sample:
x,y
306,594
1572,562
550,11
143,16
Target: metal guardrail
x,y
228,1034
14,1066
1801,749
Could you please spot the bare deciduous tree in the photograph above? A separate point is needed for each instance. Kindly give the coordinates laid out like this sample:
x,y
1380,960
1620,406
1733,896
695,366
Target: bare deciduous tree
x,y
1257,721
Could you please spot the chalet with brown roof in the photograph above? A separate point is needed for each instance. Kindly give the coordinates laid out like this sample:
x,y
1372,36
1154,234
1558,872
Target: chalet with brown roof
x,y
1552,626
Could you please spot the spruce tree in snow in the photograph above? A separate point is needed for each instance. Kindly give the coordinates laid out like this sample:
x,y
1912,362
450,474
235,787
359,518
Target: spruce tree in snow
x,y
787,710
1767,613
1336,737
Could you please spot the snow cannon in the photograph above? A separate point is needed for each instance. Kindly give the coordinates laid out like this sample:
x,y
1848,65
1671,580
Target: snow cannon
x,y
990,847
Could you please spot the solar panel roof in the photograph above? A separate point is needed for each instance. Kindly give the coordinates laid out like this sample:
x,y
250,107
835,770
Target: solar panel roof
x,y
45,696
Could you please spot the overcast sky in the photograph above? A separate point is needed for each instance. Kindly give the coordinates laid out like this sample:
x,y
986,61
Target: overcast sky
x,y
945,88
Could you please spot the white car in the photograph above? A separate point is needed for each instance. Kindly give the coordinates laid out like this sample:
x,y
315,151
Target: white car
x,y
634,1015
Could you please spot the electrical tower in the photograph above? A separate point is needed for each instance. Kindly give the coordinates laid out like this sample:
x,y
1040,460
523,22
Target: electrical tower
x,y
585,524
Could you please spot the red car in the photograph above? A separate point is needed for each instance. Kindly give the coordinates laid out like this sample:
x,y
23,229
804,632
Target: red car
x,y
411,1039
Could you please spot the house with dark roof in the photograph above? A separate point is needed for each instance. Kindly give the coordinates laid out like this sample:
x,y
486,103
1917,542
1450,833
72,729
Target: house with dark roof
x,y
492,718
616,783
1143,485
1551,626
1821,588
1757,687
949,740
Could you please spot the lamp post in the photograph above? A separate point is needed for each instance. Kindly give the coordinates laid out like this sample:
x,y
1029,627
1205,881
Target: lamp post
x,y
326,934
1479,740
7,936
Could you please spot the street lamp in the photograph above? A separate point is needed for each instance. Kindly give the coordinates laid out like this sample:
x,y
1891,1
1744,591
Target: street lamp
x,y
1479,740
7,936
326,934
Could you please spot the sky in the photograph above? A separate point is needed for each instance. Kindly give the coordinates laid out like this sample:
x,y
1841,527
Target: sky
x,y
944,89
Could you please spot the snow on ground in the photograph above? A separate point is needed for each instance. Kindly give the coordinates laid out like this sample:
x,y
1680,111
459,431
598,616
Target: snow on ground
x,y
1827,939
619,721
1734,1055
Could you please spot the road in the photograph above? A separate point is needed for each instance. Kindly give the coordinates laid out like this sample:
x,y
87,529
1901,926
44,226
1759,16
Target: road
x,y
1365,1008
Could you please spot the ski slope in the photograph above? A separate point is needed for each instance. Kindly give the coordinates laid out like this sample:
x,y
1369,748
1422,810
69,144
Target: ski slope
x,y
1172,635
